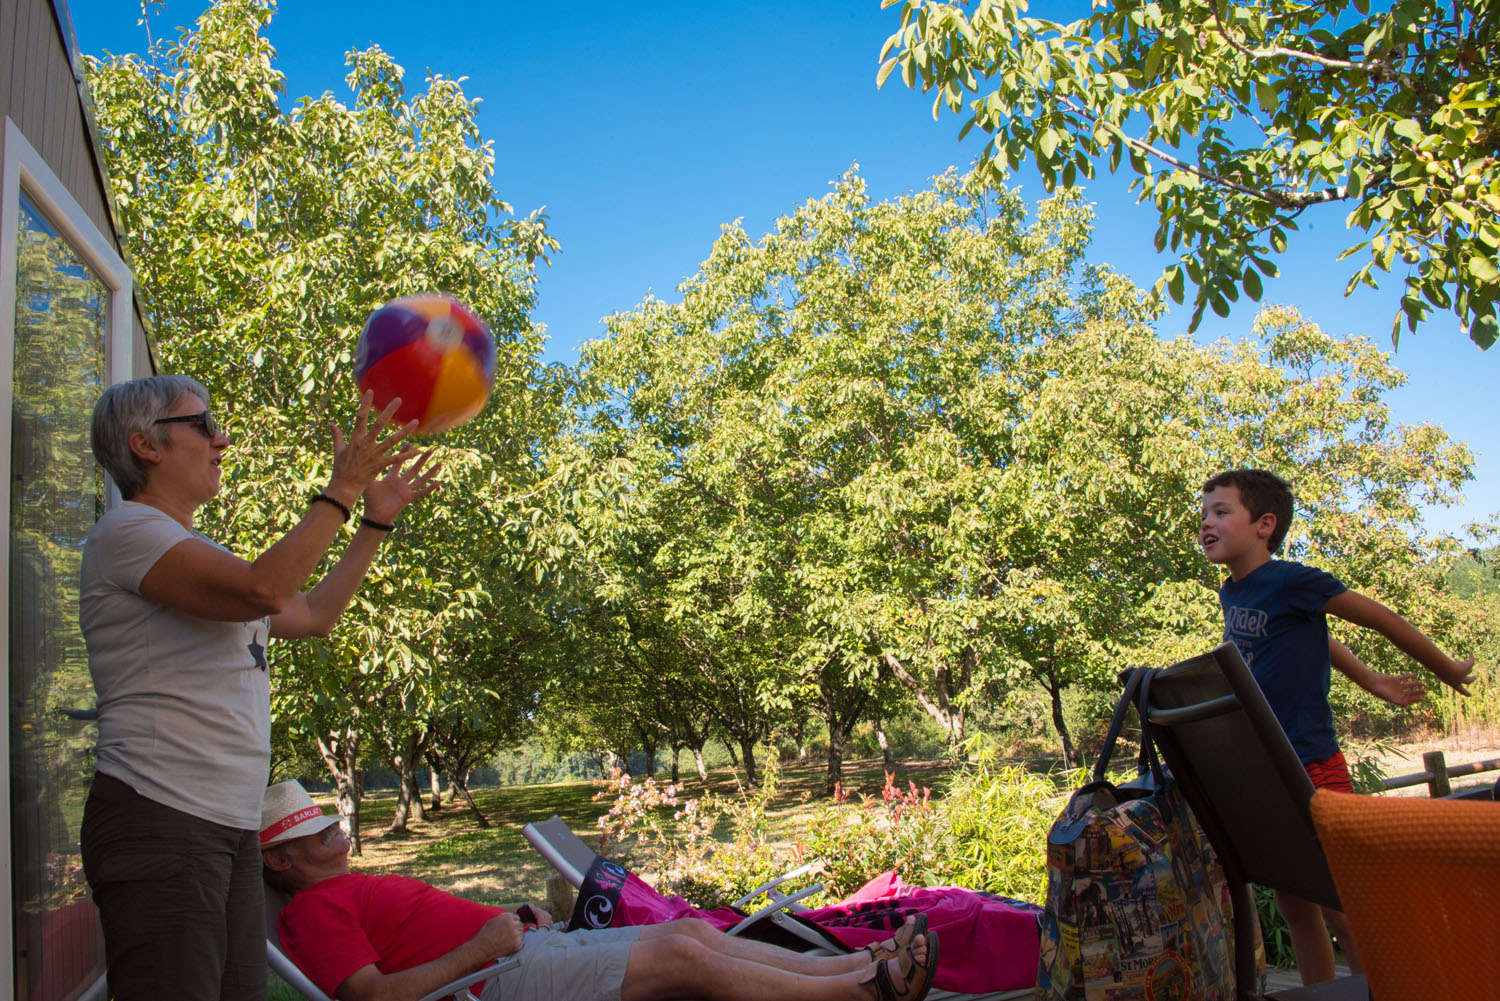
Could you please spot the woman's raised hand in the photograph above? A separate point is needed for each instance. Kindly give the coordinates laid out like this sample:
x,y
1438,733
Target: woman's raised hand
x,y
365,455
387,496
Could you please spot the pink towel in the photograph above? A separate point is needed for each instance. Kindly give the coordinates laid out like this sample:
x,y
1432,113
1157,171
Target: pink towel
x,y
988,943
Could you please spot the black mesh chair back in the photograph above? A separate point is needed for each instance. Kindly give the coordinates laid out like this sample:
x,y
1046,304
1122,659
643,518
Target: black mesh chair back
x,y
1218,736
1239,772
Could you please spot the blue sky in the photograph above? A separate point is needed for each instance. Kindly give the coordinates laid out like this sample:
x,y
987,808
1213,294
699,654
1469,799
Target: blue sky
x,y
643,127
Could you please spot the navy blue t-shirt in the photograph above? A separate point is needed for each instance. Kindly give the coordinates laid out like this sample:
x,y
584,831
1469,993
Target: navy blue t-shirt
x,y
1274,616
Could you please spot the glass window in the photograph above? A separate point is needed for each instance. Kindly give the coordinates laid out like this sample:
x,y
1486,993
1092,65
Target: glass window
x,y
56,495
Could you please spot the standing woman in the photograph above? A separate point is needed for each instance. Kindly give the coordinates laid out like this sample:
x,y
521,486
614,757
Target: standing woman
x,y
176,628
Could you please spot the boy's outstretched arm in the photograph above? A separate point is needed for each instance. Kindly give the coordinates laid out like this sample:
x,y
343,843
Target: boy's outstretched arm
x,y
1351,606
1397,689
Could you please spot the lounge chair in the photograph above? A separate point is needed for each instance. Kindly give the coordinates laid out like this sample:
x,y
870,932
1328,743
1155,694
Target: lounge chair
x,y
572,859
1420,881
283,967
1243,780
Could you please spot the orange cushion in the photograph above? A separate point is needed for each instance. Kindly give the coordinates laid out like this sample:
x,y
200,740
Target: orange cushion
x,y
1420,883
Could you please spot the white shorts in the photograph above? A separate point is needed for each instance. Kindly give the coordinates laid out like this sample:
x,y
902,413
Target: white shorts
x,y
583,965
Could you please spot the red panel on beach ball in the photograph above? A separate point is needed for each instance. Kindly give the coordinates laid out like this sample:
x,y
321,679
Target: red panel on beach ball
x,y
432,352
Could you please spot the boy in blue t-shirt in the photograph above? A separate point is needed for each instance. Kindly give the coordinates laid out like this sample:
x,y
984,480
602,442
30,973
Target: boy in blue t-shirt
x,y
1275,613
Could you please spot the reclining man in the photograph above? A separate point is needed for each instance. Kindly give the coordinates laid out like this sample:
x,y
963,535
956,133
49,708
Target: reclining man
x,y
362,938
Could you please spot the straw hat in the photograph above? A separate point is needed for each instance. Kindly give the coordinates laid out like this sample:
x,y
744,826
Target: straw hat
x,y
287,812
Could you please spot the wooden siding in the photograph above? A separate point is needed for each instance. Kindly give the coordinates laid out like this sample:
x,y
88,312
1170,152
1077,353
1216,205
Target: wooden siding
x,y
42,98
39,92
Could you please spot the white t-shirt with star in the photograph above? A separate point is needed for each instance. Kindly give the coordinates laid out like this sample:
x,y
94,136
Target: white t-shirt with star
x,y
184,702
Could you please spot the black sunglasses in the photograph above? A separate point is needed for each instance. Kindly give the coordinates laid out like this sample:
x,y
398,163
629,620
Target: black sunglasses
x,y
202,420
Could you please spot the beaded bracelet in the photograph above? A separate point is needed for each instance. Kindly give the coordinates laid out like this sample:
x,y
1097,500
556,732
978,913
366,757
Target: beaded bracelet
x,y
343,509
372,523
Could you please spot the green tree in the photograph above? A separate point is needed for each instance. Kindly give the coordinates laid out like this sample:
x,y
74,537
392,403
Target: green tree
x,y
919,439
1476,572
262,238
821,430
1236,118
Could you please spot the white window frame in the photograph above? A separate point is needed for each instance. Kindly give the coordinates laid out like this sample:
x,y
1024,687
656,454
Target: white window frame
x,y
22,169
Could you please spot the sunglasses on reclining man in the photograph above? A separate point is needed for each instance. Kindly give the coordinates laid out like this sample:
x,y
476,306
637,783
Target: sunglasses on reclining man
x,y
202,420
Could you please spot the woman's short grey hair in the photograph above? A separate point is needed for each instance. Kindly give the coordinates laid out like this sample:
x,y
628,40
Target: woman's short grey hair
x,y
128,407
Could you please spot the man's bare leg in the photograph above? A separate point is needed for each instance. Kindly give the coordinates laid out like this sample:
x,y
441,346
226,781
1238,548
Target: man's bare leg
x,y
667,966
737,947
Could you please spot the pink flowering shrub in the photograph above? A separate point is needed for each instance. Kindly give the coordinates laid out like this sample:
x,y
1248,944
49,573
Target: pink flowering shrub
x,y
900,830
710,850
989,832
632,825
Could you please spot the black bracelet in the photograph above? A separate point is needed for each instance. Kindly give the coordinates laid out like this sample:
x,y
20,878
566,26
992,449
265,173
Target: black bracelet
x,y
372,523
344,510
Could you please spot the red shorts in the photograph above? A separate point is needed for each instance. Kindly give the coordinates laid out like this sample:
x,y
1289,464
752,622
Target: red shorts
x,y
1332,773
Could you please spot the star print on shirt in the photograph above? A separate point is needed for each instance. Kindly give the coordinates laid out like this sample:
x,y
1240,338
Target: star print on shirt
x,y
257,652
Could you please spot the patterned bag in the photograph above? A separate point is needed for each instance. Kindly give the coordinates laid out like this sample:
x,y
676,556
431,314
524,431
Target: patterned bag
x,y
1137,904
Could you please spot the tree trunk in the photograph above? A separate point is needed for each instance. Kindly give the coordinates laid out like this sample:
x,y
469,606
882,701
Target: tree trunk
x,y
1054,689
799,736
699,763
414,794
403,807
837,735
435,779
747,752
734,759
676,770
842,706
408,799
461,787
340,753
600,759
408,775
888,758
941,705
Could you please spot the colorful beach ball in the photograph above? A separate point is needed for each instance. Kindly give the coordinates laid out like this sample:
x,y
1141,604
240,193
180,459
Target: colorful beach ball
x,y
431,351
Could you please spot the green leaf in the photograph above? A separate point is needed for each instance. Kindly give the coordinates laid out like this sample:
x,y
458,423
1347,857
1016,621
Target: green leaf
x,y
1483,268
1357,177
1408,129
1485,330
1459,211
1175,284
1252,284
1047,144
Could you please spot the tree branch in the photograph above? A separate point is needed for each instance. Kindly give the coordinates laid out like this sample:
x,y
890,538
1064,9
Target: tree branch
x,y
1276,198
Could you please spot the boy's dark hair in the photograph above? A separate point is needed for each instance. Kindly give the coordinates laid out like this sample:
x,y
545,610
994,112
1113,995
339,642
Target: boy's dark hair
x,y
1261,492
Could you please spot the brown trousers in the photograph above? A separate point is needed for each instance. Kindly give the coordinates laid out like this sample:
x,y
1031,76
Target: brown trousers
x,y
180,899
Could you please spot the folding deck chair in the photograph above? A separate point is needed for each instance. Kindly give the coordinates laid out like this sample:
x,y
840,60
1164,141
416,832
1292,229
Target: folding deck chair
x,y
283,967
1240,775
567,853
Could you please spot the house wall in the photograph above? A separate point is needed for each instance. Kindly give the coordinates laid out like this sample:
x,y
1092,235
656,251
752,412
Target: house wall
x,y
39,92
70,323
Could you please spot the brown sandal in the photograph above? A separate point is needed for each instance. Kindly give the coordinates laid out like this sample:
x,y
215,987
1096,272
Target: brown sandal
x,y
897,944
917,980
